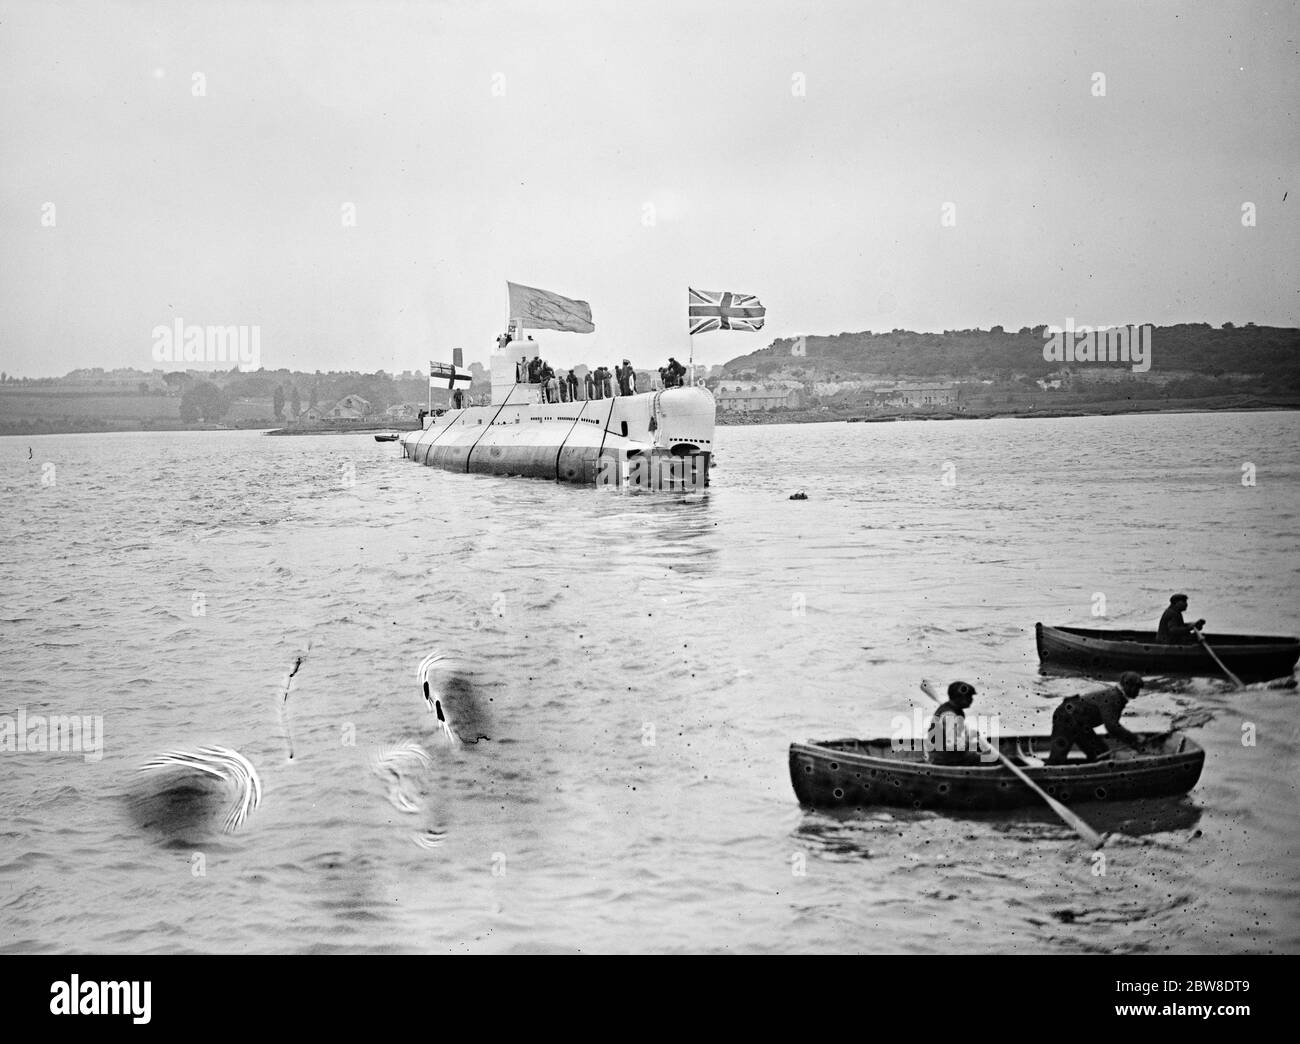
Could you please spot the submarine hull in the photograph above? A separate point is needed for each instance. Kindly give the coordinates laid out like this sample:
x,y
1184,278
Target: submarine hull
x,y
656,440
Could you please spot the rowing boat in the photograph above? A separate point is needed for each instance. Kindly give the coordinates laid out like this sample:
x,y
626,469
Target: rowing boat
x,y
856,773
1260,657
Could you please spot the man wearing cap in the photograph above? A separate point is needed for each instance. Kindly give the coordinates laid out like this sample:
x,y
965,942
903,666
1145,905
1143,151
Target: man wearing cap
x,y
676,371
1075,719
626,378
1172,629
947,740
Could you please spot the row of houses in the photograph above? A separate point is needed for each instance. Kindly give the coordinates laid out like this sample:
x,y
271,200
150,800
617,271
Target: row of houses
x,y
355,408
752,396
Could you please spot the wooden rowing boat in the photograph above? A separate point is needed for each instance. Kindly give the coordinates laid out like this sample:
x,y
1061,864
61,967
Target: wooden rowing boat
x,y
854,773
1259,657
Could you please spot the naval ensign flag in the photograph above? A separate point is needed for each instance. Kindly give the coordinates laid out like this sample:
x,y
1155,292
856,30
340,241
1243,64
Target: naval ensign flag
x,y
448,375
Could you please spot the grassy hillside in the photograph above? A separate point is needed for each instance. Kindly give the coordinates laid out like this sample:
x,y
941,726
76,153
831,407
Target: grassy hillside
x,y
1273,353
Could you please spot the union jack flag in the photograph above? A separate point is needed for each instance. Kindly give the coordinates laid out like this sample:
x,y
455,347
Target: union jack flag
x,y
723,310
448,375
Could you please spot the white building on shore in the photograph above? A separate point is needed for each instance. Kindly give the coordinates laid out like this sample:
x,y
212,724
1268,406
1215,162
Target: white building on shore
x,y
934,393
755,396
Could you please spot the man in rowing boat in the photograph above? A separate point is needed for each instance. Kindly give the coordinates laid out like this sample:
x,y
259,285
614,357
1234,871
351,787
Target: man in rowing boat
x,y
1172,629
1075,720
947,739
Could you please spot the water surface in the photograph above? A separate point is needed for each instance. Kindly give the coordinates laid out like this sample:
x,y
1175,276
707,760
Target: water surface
x,y
645,660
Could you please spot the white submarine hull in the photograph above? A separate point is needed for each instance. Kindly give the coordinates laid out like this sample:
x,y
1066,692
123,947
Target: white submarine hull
x,y
661,440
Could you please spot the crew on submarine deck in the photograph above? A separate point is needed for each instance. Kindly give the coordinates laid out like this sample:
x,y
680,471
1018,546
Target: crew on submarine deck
x,y
598,383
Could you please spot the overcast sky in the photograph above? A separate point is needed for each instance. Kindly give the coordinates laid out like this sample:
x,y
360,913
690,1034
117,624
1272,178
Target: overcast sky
x,y
803,152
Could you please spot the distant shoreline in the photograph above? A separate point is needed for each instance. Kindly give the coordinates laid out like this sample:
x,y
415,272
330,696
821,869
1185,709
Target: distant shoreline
x,y
816,415
342,429
813,415
90,428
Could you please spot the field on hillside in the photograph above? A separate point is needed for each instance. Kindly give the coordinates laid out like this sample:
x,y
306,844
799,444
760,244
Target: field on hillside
x,y
28,406
28,412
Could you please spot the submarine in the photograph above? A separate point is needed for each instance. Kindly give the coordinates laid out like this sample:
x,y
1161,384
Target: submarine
x,y
656,440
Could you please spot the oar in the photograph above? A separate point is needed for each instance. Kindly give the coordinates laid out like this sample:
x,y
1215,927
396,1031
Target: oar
x,y
1215,657
1069,818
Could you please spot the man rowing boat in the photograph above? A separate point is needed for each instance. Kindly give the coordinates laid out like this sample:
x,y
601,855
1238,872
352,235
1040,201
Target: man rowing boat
x,y
1075,720
947,739
1172,629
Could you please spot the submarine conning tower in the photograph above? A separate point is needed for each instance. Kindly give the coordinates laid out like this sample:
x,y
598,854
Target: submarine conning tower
x,y
660,439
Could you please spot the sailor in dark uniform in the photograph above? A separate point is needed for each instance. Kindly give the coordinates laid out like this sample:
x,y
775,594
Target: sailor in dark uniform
x,y
1171,628
1077,717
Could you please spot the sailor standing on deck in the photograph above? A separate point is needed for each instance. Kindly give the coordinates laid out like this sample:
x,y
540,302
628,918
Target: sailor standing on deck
x,y
591,386
676,371
572,381
626,378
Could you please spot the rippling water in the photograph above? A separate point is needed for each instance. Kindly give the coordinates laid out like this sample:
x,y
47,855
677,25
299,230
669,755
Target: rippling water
x,y
644,662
